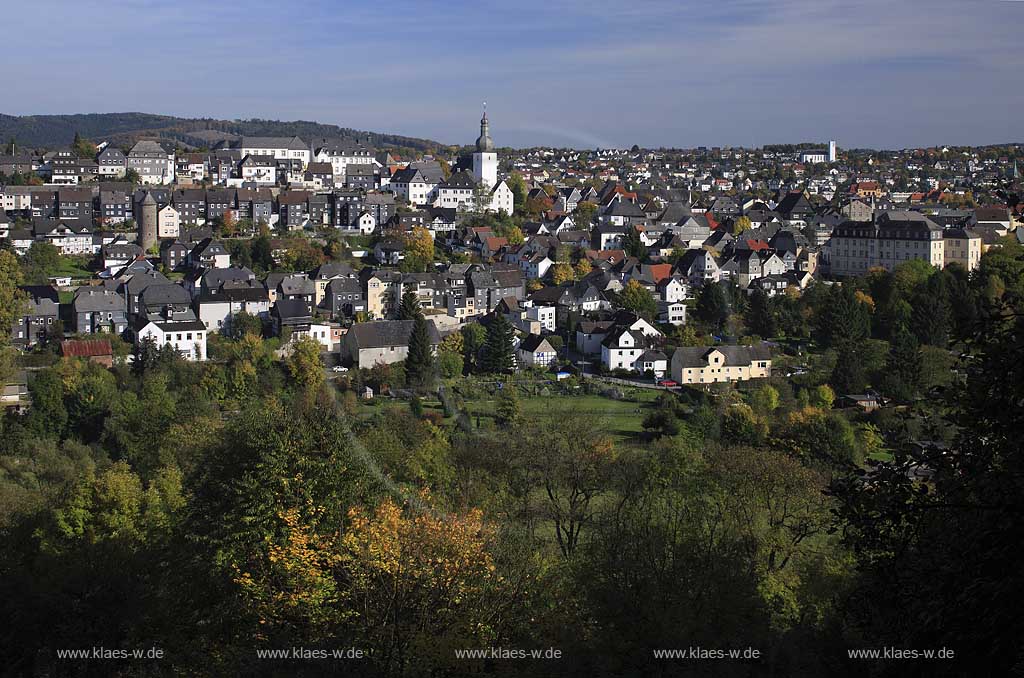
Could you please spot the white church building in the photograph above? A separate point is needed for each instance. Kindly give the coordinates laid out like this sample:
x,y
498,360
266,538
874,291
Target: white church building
x,y
462,190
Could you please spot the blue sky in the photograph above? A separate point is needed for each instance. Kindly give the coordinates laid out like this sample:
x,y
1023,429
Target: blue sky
x,y
584,73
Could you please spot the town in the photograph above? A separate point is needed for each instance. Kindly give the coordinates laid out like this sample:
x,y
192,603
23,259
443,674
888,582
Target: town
x,y
504,360
595,259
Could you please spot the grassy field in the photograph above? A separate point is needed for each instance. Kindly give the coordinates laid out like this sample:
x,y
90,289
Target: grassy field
x,y
621,418
72,266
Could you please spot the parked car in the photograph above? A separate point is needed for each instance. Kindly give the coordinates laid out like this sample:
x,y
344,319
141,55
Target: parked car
x,y
339,368
668,383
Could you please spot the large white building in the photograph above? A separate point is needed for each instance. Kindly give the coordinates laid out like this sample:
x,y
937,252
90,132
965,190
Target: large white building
x,y
891,239
153,162
342,155
279,148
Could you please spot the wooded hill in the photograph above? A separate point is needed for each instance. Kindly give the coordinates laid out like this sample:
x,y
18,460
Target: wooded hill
x,y
51,131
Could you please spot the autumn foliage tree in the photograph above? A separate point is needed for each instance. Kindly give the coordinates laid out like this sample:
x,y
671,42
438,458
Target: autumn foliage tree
x,y
419,250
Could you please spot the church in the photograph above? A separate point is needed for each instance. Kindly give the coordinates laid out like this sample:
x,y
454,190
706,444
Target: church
x,y
466,188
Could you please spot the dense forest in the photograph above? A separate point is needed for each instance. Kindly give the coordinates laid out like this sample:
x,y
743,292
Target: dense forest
x,y
52,131
217,510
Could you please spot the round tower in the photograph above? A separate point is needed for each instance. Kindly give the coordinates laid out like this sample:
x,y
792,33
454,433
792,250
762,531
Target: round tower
x,y
485,160
147,222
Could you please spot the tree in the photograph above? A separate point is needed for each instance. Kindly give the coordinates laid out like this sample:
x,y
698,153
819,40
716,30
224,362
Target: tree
x,y
713,305
83,148
409,307
508,411
571,470
904,366
635,298
244,323
280,482
449,355
12,300
515,236
474,337
419,364
844,319
498,356
420,579
41,260
228,224
741,224
519,193
583,268
765,400
131,175
419,250
561,273
848,375
932,314
304,365
632,243
940,560
583,215
822,397
760,317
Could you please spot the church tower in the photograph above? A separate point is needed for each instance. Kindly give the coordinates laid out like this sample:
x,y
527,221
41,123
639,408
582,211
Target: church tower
x,y
485,160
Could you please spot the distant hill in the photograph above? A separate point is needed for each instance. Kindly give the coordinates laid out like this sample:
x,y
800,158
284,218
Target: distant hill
x,y
123,129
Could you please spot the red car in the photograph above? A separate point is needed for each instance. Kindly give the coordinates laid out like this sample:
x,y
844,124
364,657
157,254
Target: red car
x,y
667,382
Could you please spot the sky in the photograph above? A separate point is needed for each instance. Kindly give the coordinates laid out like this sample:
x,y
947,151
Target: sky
x,y
579,73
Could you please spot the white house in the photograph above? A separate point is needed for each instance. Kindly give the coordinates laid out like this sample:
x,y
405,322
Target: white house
x,y
168,222
535,351
672,312
653,361
216,309
188,337
545,315
622,347
279,148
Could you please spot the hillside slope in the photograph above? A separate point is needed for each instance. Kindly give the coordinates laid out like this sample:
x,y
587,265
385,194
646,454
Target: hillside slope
x,y
50,131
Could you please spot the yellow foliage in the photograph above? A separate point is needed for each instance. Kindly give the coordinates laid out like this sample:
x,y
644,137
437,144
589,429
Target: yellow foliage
x,y
295,583
865,299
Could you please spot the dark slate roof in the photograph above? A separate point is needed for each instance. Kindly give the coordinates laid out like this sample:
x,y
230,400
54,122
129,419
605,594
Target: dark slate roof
x,y
164,295
625,208
696,356
459,180
332,269
388,333
534,343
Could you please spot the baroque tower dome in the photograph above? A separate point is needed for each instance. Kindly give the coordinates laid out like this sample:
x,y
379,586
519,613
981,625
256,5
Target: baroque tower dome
x,y
483,142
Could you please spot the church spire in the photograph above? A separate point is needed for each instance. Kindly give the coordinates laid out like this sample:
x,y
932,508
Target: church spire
x,y
483,142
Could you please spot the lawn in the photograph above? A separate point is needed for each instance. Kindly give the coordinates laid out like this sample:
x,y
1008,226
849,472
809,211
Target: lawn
x,y
621,418
70,266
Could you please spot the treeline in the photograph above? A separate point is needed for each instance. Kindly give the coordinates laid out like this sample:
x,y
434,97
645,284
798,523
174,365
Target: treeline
x,y
216,509
52,131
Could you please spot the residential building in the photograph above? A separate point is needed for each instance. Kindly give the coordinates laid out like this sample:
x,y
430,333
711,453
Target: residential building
x,y
708,365
381,342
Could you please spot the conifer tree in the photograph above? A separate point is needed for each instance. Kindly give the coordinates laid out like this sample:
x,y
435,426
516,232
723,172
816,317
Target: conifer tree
x,y
419,364
498,357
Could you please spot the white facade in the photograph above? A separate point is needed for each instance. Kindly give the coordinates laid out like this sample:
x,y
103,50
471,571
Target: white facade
x,y
485,168
187,339
545,315
367,224
168,223
216,314
502,199
277,148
